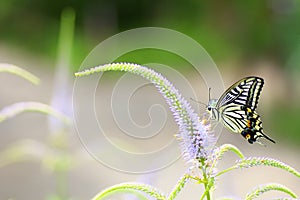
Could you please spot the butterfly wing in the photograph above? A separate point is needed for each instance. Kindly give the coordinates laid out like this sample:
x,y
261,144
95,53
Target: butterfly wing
x,y
255,85
233,117
244,92
253,129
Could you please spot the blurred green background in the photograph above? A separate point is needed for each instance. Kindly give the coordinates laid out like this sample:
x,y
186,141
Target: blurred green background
x,y
238,35
243,37
231,30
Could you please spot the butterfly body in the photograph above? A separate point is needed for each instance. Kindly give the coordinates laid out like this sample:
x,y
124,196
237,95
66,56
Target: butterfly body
x,y
236,108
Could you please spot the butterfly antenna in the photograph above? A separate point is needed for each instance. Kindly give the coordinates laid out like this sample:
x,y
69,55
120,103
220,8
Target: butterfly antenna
x,y
209,93
198,101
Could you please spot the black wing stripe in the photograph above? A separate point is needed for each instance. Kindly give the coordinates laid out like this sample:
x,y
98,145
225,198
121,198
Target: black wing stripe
x,y
254,92
229,123
234,117
245,92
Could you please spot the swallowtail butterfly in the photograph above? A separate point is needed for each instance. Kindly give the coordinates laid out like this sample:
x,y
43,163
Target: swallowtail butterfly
x,y
236,109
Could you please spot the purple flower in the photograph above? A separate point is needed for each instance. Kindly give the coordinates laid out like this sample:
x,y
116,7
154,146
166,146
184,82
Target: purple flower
x,y
194,137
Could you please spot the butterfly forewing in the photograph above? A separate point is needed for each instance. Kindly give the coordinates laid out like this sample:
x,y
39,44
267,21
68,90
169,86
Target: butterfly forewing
x,y
244,92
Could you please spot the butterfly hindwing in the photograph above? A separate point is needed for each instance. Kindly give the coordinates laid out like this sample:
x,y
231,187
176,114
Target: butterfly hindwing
x,y
253,129
255,86
234,117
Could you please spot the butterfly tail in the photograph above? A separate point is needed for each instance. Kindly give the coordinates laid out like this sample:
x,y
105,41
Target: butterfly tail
x,y
267,137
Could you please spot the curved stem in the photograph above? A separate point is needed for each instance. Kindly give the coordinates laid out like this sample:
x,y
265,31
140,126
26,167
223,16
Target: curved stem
x,y
225,170
5,67
181,183
127,187
206,192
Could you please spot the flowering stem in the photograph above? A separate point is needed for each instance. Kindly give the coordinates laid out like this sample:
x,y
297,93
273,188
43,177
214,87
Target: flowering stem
x,y
269,187
257,161
193,132
4,67
129,187
181,183
31,106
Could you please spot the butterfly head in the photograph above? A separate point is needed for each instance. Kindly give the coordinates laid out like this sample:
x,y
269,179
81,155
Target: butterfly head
x,y
211,108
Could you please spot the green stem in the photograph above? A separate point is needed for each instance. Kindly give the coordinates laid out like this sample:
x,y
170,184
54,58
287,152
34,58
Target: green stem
x,y
5,67
61,184
225,170
206,193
